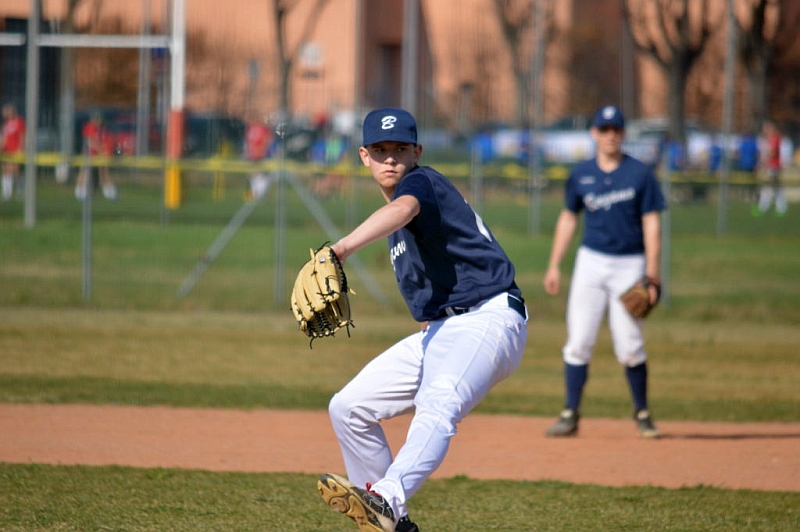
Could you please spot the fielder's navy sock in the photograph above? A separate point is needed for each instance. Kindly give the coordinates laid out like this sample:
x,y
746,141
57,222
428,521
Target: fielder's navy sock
x,y
637,379
575,379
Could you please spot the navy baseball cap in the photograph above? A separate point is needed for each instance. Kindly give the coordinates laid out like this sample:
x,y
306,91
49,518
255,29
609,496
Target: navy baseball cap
x,y
389,124
609,116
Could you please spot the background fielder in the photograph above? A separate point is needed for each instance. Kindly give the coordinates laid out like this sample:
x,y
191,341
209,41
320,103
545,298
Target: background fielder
x,y
97,140
458,282
621,243
772,189
13,133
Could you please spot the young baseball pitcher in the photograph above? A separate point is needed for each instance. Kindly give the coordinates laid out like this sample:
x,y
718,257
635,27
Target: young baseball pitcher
x,y
456,279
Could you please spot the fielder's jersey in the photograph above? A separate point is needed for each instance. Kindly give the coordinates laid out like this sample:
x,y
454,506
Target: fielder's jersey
x,y
13,133
614,203
445,256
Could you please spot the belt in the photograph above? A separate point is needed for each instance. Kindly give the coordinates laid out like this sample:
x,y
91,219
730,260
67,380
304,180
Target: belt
x,y
517,304
514,303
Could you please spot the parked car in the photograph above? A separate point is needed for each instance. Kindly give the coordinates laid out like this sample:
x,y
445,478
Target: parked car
x,y
124,130
655,127
208,134
205,134
569,123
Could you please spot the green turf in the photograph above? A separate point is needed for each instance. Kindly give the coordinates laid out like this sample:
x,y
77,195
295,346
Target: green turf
x,y
48,498
699,370
723,347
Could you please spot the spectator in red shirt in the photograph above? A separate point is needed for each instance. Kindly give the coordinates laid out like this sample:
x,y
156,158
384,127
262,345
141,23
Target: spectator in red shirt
x,y
13,144
97,140
257,139
772,165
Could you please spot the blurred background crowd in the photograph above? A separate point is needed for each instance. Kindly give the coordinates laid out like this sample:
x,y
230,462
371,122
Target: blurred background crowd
x,y
483,76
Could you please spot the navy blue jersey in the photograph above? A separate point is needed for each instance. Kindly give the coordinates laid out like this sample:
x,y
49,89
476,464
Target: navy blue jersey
x,y
614,203
445,256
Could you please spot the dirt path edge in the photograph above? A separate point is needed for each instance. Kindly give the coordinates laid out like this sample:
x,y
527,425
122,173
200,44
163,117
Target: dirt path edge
x,y
758,456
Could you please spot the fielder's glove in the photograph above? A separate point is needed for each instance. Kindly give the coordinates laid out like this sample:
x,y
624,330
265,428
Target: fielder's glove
x,y
320,301
637,298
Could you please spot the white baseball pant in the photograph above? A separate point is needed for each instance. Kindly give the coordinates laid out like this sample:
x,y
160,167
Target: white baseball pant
x,y
441,373
598,280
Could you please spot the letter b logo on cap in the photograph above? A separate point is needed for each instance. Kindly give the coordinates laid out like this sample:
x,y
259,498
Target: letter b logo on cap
x,y
387,122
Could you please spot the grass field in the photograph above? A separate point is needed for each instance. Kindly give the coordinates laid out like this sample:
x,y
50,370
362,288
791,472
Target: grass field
x,y
39,498
723,347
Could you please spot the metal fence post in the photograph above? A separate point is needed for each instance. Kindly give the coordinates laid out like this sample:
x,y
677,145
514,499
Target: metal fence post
x,y
280,217
666,229
87,229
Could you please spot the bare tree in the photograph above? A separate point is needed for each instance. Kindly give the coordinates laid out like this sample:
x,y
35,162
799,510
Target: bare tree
x,y
674,33
594,63
104,74
516,22
211,71
767,30
477,70
287,55
484,104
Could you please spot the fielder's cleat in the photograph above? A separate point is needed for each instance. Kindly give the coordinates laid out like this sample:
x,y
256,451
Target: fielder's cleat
x,y
405,525
567,425
644,424
368,509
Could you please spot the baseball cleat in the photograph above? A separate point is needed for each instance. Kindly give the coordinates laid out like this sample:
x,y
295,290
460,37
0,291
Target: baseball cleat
x,y
645,426
567,425
369,510
405,525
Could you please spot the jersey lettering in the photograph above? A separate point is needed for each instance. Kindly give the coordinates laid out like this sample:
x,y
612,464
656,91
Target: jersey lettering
x,y
606,201
396,251
482,227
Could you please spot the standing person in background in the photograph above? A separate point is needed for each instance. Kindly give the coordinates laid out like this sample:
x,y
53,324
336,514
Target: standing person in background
x,y
748,161
621,244
772,165
329,149
13,144
257,139
459,285
97,140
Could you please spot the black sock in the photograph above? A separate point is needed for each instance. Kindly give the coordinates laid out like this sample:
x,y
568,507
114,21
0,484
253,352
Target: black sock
x,y
637,380
575,379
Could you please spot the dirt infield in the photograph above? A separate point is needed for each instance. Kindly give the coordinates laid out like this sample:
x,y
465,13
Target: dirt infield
x,y
759,456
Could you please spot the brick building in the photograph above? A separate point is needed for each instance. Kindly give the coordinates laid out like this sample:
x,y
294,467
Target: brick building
x,y
352,59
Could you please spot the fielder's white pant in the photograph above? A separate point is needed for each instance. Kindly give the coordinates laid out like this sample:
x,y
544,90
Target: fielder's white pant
x,y
259,185
8,186
766,196
441,373
598,280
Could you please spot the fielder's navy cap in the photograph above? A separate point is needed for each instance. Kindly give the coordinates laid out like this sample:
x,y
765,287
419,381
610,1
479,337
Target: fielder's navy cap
x,y
389,124
609,116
